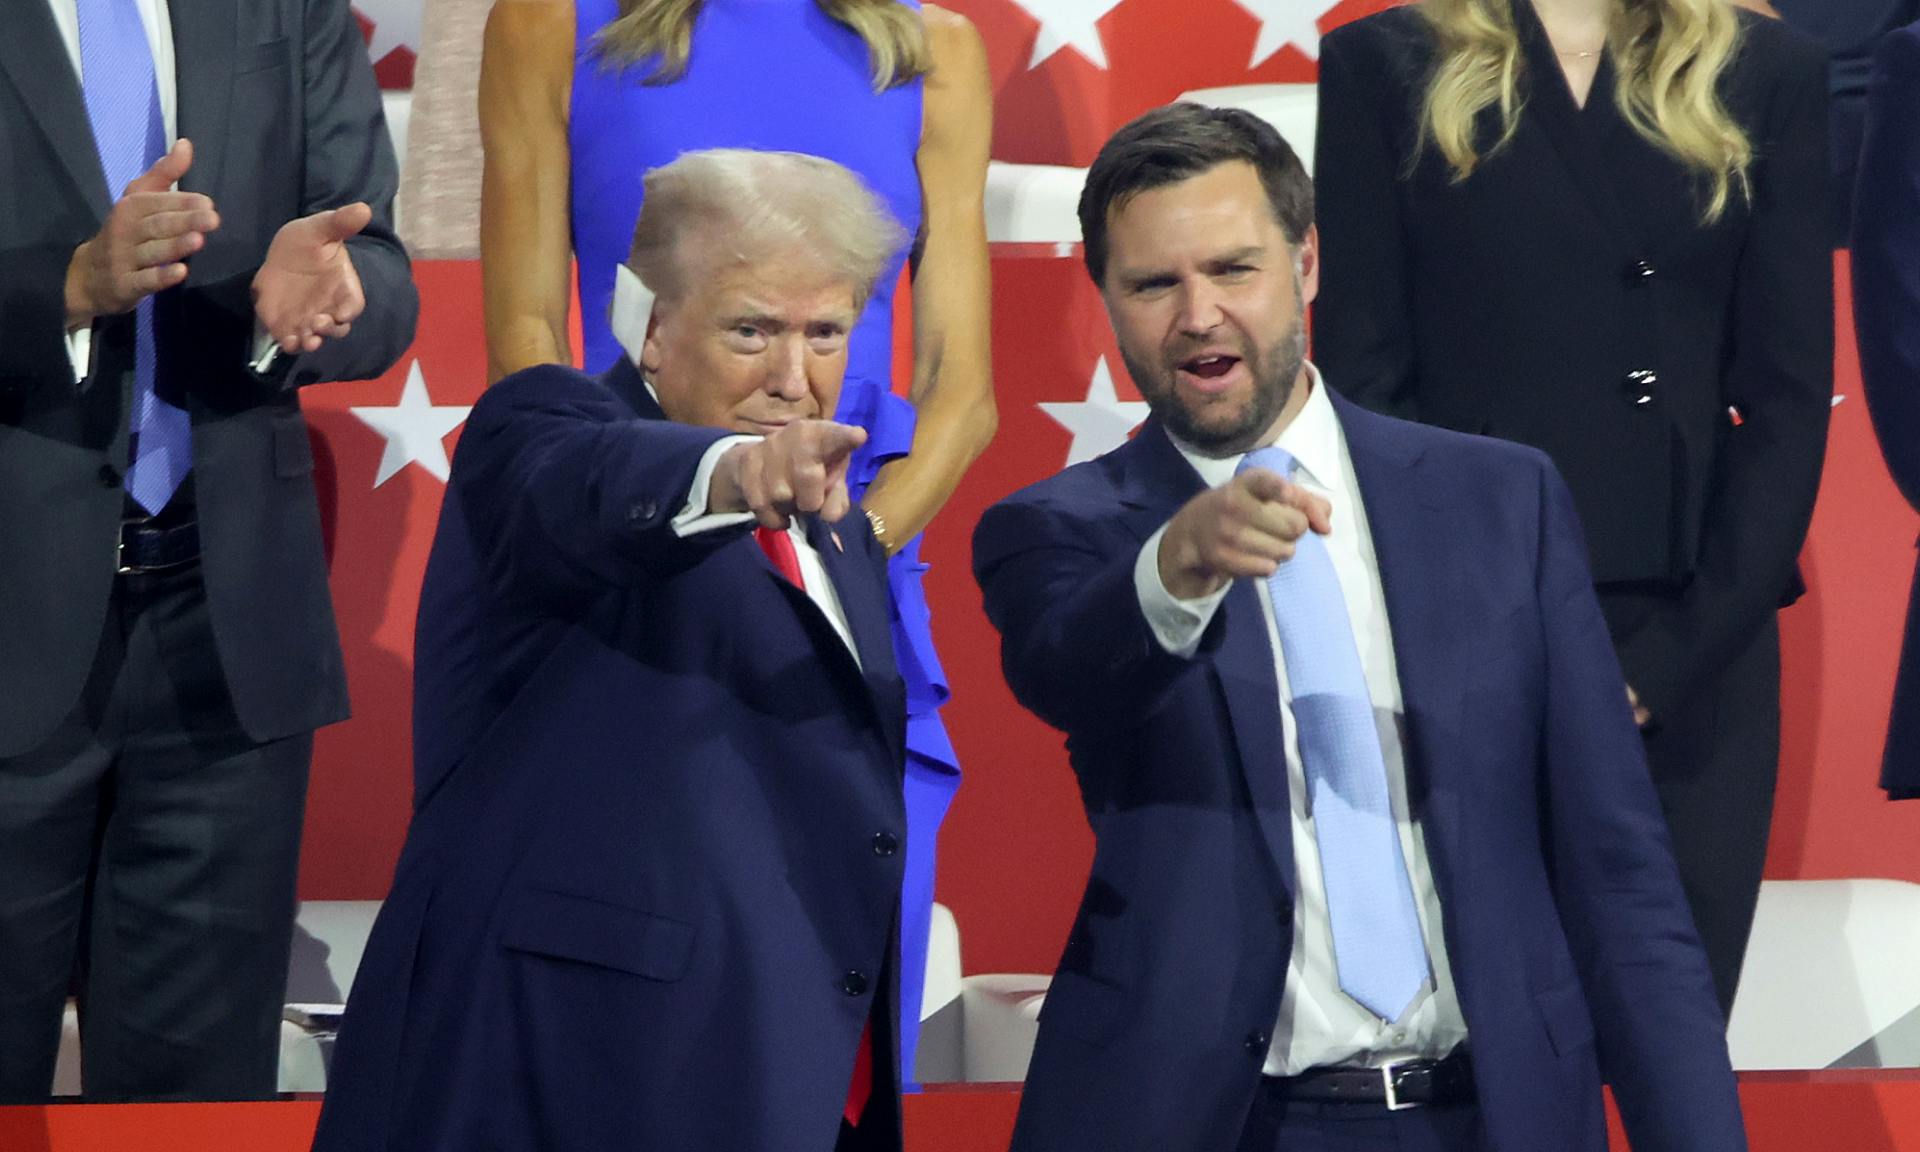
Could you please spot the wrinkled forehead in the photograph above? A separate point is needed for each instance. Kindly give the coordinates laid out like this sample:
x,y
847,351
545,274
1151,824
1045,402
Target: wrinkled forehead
x,y
791,286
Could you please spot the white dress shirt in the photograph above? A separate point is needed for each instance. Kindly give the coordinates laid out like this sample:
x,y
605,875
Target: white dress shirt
x,y
157,19
1319,1024
629,324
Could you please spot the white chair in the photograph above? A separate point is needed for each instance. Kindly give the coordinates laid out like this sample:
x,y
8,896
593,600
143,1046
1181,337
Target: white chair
x,y
1832,977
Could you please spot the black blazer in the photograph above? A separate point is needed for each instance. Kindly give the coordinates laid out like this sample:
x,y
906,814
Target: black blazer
x,y
1886,315
285,118
1567,296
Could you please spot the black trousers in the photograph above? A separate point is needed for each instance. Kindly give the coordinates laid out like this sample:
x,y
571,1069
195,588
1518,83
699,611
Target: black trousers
x,y
148,853
1716,763
1295,1126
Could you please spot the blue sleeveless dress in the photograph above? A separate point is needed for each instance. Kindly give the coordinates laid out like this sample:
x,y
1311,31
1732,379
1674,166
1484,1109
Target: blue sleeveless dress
x,y
780,74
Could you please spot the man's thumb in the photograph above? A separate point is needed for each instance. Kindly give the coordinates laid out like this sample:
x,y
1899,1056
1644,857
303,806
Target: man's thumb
x,y
166,171
345,222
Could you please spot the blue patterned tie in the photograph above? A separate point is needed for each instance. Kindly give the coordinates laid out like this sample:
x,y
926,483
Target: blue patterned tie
x,y
1377,944
123,106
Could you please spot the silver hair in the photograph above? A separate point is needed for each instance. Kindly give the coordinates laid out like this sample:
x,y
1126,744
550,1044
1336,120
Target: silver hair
x,y
748,205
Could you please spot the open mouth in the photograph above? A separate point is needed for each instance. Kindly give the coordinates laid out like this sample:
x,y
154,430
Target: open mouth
x,y
1211,372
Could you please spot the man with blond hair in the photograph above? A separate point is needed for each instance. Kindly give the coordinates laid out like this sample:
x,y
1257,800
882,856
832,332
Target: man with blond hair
x,y
647,899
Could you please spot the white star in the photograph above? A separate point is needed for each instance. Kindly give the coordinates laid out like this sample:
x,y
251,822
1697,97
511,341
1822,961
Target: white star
x,y
1068,24
1101,422
415,429
396,24
1284,22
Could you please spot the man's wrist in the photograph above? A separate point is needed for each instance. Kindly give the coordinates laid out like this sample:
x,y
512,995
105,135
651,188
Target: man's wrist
x,y
80,310
1183,579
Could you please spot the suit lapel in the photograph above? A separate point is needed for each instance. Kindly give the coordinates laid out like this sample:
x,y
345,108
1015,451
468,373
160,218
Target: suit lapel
x,y
1574,134
205,33
860,585
1157,482
1421,564
34,59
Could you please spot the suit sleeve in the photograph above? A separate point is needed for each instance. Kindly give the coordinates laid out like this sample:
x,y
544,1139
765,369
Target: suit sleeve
x,y
568,493
1362,319
1075,644
1780,378
1661,1038
33,316
1886,257
349,157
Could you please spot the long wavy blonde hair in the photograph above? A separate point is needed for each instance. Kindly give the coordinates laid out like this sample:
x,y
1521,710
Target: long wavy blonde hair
x,y
1667,54
662,31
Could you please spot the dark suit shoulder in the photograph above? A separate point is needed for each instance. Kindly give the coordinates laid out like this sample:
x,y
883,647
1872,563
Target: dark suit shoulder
x,y
1088,486
1773,53
1899,52
1396,44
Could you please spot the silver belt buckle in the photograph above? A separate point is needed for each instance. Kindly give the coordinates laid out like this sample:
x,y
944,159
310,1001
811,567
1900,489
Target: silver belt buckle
x,y
1387,1071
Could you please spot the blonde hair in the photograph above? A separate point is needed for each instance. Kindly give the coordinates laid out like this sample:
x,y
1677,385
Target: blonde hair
x,y
662,31
747,206
1668,55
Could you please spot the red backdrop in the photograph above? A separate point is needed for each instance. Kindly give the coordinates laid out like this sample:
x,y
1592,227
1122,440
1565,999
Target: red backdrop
x,y
1015,850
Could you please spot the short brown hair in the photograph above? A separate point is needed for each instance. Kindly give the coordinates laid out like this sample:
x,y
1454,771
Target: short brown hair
x,y
1178,142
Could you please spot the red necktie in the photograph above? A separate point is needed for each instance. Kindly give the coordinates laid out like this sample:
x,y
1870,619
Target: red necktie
x,y
779,548
786,560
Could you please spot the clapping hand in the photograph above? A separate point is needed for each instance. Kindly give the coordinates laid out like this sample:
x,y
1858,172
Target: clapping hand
x,y
142,247
307,291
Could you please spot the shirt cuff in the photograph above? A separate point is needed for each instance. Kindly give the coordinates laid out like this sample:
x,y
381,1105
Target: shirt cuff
x,y
265,349
1177,624
80,352
694,518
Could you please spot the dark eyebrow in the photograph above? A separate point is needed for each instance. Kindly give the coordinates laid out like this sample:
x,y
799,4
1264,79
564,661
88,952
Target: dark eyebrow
x,y
761,320
1238,256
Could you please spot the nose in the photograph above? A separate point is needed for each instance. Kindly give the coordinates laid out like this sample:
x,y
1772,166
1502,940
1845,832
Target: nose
x,y
787,371
1199,308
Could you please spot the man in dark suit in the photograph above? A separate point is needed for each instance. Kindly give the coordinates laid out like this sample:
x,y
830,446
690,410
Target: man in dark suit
x,y
648,897
1849,30
167,644
1886,316
1378,860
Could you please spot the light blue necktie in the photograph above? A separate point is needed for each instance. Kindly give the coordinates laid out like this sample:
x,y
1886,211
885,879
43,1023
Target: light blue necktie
x,y
1377,944
123,106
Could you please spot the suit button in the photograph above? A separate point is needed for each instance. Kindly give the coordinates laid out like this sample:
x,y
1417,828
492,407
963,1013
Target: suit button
x,y
854,983
1640,270
885,844
1258,1042
110,476
1639,385
642,511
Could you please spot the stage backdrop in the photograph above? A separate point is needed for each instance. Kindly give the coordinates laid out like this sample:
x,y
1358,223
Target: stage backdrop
x,y
1016,848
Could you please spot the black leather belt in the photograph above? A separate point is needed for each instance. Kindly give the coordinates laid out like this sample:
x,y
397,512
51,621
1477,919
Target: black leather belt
x,y
149,546
1394,1085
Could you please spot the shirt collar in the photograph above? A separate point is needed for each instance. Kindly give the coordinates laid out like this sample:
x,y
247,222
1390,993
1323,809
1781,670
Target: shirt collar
x,y
1312,438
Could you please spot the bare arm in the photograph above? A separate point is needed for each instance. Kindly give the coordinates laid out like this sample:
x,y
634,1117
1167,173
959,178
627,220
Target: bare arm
x,y
526,76
952,372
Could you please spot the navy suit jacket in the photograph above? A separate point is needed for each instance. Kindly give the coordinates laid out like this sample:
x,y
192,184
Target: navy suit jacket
x,y
1569,939
1886,317
647,900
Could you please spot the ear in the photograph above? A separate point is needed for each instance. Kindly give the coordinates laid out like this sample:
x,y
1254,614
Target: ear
x,y
1307,259
650,348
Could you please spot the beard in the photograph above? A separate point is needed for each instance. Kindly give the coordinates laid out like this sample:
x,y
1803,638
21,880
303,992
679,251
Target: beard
x,y
1223,426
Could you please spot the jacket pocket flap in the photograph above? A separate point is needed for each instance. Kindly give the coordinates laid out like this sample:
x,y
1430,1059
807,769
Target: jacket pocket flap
x,y
591,931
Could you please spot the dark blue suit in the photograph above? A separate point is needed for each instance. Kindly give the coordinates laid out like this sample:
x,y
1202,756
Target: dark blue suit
x,y
1886,317
648,897
1569,939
